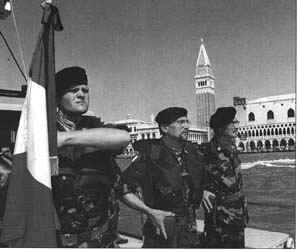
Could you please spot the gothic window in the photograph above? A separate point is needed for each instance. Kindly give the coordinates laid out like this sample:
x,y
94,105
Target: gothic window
x,y
272,131
252,145
268,131
292,130
291,113
276,131
283,144
267,144
275,144
291,142
284,131
288,131
251,116
261,133
270,115
241,145
253,133
279,131
264,132
143,136
257,133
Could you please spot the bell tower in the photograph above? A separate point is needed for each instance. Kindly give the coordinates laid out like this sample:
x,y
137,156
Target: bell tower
x,y
204,86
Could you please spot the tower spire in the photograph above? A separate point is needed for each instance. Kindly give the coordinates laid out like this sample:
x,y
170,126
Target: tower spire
x,y
203,59
204,85
203,65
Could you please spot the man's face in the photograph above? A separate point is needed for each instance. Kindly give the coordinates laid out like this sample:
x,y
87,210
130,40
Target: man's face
x,y
75,101
232,129
178,128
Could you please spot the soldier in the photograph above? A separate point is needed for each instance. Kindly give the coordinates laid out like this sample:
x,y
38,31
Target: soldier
x,y
169,172
86,189
227,217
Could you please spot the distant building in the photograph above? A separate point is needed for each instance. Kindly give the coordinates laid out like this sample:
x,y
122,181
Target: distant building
x,y
204,87
139,130
266,124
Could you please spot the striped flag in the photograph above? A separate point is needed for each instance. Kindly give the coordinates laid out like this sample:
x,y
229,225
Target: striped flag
x,y
29,219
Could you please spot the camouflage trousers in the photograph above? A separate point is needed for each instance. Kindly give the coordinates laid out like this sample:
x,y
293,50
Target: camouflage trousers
x,y
224,238
179,235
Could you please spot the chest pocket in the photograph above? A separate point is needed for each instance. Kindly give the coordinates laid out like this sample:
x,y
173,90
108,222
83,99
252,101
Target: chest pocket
x,y
165,177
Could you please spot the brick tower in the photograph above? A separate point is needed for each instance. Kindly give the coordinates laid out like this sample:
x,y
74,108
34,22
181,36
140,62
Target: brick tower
x,y
204,86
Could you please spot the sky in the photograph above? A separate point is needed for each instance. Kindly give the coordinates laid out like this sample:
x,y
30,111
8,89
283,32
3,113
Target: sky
x,y
140,55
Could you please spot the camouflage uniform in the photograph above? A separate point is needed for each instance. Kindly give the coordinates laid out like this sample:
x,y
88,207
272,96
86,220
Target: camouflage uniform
x,y
85,194
170,181
224,225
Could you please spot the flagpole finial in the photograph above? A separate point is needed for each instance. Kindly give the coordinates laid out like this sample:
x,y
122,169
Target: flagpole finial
x,y
202,40
45,3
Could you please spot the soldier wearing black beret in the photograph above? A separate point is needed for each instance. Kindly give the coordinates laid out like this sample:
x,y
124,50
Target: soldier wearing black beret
x,y
169,171
70,77
169,115
227,217
87,186
221,118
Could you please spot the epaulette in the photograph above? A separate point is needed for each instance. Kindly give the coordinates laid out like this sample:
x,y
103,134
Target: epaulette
x,y
150,148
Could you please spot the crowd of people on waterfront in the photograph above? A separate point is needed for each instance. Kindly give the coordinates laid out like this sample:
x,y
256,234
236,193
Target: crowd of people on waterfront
x,y
169,179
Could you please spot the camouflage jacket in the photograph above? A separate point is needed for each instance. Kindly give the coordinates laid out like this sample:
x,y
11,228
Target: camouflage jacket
x,y
224,179
169,181
86,189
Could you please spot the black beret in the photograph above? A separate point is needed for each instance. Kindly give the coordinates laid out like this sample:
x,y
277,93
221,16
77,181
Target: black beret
x,y
70,77
169,115
222,117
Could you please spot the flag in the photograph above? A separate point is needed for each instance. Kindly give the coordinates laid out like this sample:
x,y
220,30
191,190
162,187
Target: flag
x,y
29,219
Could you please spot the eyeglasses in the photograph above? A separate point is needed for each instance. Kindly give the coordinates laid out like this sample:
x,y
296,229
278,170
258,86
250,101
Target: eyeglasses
x,y
183,121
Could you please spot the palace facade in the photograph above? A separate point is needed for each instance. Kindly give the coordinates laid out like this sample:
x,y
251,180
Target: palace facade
x,y
266,124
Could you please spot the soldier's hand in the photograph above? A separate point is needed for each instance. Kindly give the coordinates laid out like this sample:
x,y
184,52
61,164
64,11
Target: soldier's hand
x,y
158,217
207,200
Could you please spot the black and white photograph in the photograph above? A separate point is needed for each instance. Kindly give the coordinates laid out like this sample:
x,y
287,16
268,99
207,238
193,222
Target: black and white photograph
x,y
148,124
